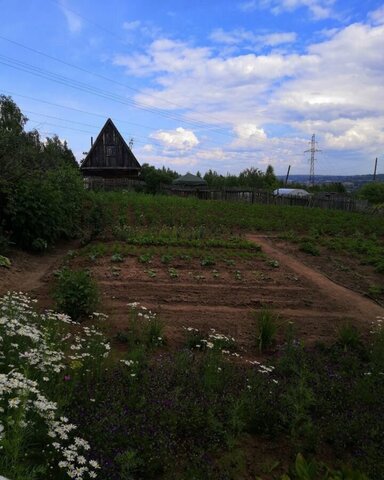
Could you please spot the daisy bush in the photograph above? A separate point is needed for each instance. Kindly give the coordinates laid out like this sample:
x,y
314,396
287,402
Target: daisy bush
x,y
44,358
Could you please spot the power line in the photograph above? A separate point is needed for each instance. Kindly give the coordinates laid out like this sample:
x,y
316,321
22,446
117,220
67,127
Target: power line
x,y
97,74
75,109
69,82
149,139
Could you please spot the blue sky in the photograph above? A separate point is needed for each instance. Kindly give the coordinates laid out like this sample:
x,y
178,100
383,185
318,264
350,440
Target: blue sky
x,y
199,85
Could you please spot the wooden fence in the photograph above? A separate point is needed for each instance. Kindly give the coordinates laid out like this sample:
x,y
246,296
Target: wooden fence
x,y
337,202
99,183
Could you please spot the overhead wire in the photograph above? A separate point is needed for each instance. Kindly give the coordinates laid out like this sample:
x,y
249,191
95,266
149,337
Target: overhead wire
x,y
66,81
103,77
156,142
97,128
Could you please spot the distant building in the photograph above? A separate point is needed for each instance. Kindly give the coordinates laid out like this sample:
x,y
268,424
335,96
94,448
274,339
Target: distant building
x,y
110,160
189,180
291,192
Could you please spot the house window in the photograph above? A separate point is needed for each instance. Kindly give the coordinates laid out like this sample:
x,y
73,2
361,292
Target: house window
x,y
111,151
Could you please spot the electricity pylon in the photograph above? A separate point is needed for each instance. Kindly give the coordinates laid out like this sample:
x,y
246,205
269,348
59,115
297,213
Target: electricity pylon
x,y
313,151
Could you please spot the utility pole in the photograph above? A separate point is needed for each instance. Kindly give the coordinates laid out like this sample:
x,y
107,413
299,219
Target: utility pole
x,y
286,178
374,172
313,151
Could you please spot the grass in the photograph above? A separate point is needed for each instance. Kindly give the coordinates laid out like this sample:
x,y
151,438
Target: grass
x,y
204,219
152,410
192,413
266,329
146,220
139,219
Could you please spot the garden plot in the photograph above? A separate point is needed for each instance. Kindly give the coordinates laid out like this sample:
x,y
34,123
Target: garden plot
x,y
219,289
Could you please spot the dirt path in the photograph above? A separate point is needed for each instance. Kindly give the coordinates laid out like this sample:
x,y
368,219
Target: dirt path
x,y
29,273
350,301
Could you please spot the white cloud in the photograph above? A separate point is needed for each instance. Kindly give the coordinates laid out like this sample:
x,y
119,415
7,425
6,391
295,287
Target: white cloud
x,y
179,139
136,30
130,26
148,148
377,16
332,89
358,135
319,9
251,40
75,23
248,135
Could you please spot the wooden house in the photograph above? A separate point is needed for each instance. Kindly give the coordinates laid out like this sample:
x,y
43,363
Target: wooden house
x,y
110,160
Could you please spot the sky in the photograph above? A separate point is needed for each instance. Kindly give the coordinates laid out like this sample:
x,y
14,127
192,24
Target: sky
x,y
216,84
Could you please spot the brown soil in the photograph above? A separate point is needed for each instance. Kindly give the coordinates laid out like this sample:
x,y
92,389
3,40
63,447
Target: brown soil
x,y
32,273
226,301
341,268
350,300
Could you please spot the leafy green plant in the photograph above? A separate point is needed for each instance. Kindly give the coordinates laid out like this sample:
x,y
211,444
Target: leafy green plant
x,y
273,263
122,336
310,248
5,262
76,293
39,245
151,273
4,243
312,470
115,271
173,273
130,464
207,262
348,336
194,338
215,274
43,208
238,275
229,261
166,258
375,290
145,258
266,329
154,333
117,258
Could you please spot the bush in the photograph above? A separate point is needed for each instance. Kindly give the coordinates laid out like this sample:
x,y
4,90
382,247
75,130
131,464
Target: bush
x,y
4,244
43,208
348,336
310,248
373,192
76,293
266,329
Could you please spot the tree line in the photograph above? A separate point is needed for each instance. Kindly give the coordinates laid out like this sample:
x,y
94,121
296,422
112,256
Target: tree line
x,y
42,196
41,189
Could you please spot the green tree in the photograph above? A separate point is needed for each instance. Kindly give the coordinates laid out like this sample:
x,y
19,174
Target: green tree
x,y
373,192
270,180
11,118
155,177
41,189
56,153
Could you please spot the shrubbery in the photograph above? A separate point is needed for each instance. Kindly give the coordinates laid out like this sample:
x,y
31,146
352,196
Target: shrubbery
x,y
43,208
373,192
76,293
41,189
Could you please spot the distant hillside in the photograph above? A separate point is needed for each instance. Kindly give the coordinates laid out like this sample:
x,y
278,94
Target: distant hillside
x,y
356,180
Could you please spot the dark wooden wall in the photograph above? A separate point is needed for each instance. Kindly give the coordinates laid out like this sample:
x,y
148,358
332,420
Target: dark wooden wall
x,y
111,151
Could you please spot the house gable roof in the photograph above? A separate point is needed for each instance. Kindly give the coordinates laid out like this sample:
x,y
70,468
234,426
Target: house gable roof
x,y
189,179
87,162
